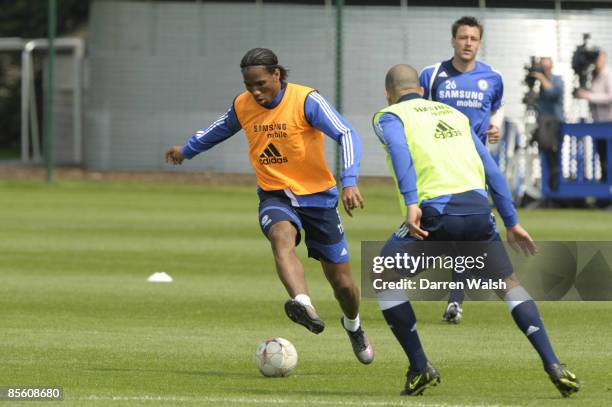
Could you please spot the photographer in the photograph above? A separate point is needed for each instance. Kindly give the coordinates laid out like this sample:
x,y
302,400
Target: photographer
x,y
600,103
600,93
550,98
549,105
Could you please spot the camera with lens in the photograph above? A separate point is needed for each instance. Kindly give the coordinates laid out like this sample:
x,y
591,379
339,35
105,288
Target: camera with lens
x,y
534,66
530,98
583,60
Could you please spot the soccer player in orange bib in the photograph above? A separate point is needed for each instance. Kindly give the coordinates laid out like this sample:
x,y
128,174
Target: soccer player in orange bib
x,y
284,124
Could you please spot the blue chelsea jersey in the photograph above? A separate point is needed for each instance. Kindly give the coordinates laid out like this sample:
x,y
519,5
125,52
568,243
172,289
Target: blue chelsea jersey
x,y
476,93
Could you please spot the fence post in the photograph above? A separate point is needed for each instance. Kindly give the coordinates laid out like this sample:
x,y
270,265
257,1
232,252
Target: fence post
x,y
339,9
52,15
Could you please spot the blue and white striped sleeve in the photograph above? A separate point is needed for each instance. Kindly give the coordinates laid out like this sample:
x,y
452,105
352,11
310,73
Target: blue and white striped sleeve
x,y
322,116
220,130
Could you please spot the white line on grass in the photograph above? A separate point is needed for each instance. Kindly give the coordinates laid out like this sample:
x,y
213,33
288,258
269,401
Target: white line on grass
x,y
242,401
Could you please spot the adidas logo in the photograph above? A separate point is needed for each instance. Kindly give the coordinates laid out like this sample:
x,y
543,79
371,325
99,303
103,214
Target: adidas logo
x,y
444,130
443,74
344,252
265,221
532,329
271,155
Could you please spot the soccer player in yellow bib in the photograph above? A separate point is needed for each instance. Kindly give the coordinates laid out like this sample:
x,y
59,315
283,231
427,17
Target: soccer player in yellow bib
x,y
285,124
441,168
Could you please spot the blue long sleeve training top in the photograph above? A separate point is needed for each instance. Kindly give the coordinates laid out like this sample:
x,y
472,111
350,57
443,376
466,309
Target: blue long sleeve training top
x,y
321,115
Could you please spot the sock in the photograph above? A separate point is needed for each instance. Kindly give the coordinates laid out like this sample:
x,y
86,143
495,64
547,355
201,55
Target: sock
x,y
351,324
527,318
402,321
303,299
457,294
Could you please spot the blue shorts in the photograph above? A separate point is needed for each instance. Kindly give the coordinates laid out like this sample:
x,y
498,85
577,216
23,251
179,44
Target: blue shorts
x,y
464,235
324,233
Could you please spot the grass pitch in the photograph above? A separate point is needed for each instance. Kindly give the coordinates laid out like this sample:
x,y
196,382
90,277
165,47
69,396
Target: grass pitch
x,y
76,310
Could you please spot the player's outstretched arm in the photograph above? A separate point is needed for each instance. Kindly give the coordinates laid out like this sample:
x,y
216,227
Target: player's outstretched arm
x,y
497,185
203,140
174,156
351,199
519,239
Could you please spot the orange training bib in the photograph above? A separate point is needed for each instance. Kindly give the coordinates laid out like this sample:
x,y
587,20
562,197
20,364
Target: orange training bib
x,y
284,149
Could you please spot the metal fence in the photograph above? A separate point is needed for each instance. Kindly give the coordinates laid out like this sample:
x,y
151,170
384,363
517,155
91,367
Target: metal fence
x,y
157,72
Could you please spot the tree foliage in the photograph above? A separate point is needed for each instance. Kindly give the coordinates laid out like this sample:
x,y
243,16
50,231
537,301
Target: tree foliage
x,y
27,19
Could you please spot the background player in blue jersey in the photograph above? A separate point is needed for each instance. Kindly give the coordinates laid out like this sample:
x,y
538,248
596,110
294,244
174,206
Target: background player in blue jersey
x,y
445,201
284,124
476,90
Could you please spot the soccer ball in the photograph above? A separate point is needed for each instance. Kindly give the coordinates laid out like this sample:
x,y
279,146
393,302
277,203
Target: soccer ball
x,y
276,357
